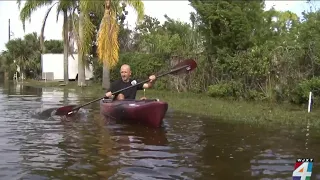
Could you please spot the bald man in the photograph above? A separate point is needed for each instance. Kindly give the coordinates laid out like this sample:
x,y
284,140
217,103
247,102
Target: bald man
x,y
126,81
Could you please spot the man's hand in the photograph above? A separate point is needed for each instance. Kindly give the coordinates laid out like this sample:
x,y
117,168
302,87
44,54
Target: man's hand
x,y
152,78
143,98
109,94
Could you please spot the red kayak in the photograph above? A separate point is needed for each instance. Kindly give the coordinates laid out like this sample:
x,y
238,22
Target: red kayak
x,y
149,112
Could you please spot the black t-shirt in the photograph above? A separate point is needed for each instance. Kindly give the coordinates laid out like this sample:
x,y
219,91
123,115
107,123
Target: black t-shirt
x,y
128,93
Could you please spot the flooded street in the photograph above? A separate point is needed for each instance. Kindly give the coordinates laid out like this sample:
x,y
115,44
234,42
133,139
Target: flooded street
x,y
34,145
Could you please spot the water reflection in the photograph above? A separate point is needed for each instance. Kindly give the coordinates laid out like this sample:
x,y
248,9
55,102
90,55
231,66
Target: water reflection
x,y
34,145
54,97
169,153
255,153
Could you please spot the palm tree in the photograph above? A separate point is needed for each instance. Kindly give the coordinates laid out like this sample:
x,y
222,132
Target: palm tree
x,y
7,63
64,6
107,42
23,54
83,31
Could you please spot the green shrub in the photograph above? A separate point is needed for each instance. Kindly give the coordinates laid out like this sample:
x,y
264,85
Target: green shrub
x,y
219,90
235,90
142,65
253,95
226,89
301,91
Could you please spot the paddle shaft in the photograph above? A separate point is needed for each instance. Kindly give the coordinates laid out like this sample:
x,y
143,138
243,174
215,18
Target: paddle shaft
x,y
142,82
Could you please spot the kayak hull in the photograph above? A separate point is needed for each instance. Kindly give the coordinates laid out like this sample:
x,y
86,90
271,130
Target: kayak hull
x,y
146,112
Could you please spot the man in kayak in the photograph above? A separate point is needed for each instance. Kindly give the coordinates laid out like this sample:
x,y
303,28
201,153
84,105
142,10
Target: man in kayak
x,y
126,81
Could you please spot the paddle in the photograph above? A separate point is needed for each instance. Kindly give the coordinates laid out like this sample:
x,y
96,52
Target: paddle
x,y
182,67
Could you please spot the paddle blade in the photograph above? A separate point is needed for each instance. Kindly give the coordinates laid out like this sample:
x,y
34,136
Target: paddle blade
x,y
184,67
65,110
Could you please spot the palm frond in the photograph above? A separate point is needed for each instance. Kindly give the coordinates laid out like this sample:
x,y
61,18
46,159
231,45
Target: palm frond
x,y
19,3
88,29
108,46
64,5
29,7
43,26
97,7
115,6
72,36
138,6
59,10
75,28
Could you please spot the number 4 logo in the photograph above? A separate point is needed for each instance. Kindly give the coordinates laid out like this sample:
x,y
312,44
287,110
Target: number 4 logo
x,y
303,171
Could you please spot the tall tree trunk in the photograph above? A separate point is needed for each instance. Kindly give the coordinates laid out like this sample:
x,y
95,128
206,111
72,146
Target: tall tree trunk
x,y
22,74
81,68
105,77
6,75
65,47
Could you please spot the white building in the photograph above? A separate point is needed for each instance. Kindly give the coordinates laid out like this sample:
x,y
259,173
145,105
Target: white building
x,y
52,67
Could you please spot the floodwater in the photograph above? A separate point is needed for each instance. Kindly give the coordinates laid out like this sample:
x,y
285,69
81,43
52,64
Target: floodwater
x,y
36,146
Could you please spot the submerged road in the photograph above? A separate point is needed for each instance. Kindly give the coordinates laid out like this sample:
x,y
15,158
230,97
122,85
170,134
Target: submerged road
x,y
35,145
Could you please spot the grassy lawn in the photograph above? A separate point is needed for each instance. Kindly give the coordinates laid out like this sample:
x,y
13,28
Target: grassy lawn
x,y
259,113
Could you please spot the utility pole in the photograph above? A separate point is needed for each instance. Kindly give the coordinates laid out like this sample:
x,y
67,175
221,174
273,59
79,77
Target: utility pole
x,y
9,33
6,74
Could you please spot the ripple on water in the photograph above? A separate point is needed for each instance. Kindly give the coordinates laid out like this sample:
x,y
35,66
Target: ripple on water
x,y
156,153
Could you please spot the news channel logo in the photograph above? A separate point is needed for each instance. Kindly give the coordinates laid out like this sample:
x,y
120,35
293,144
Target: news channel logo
x,y
303,169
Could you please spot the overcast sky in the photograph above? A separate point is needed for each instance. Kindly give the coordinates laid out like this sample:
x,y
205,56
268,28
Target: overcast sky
x,y
53,30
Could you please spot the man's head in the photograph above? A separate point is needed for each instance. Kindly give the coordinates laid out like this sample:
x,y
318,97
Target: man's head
x,y
125,72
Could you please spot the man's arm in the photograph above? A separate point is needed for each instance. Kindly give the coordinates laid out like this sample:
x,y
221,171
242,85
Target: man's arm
x,y
111,89
149,84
